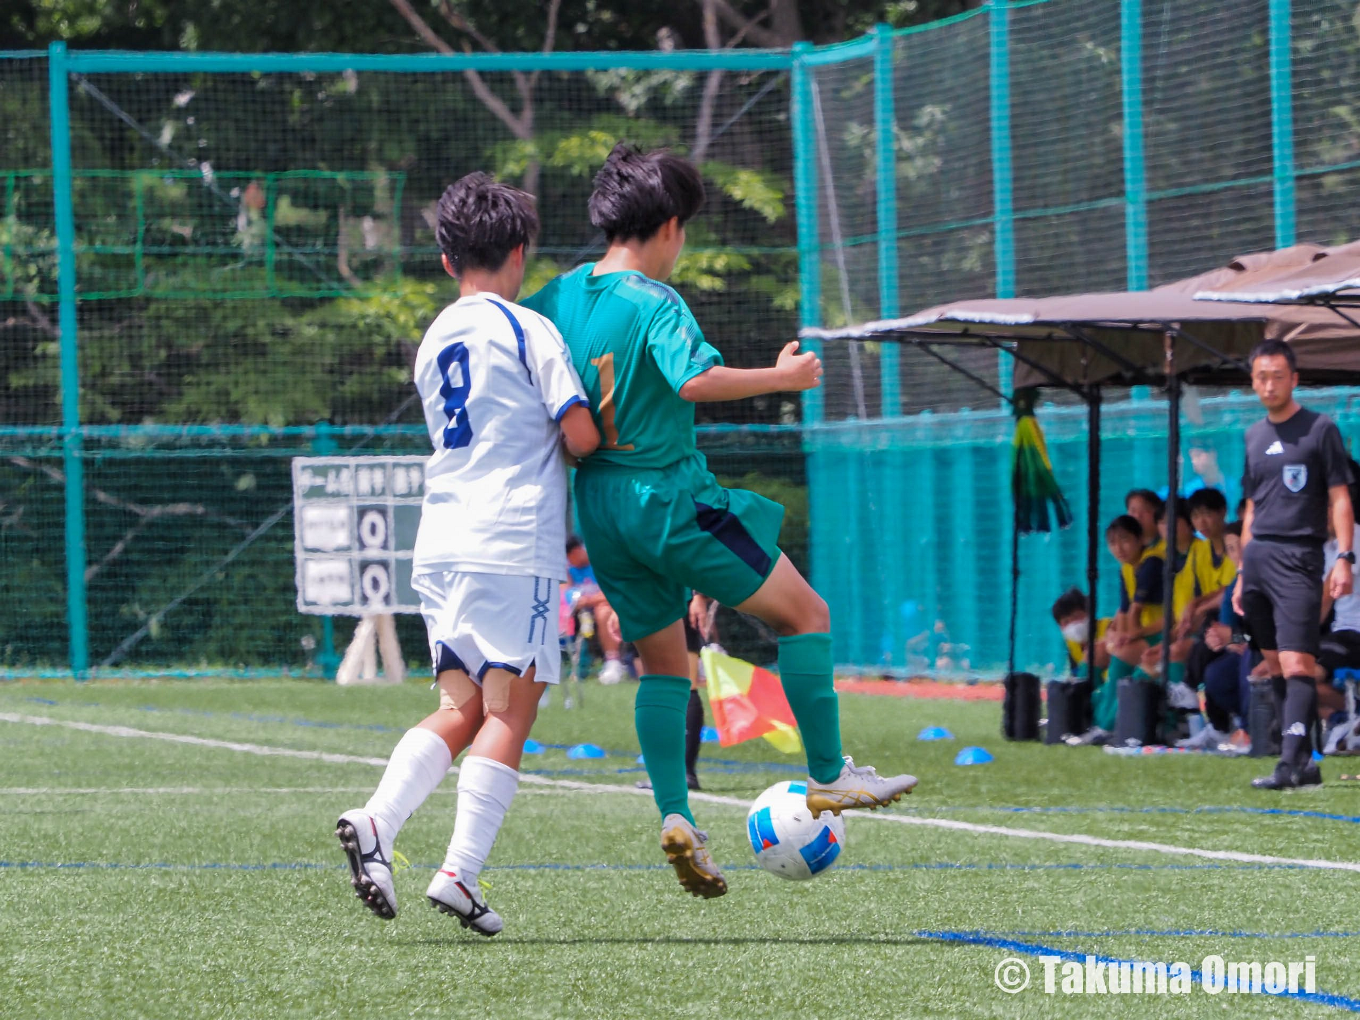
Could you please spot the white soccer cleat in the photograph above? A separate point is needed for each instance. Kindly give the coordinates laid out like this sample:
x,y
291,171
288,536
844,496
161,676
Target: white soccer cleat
x,y
1207,739
449,894
370,862
613,672
856,787
687,850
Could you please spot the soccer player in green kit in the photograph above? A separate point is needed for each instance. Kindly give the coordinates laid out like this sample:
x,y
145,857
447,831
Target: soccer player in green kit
x,y
657,522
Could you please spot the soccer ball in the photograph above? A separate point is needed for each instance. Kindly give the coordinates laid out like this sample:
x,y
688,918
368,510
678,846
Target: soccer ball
x,y
788,841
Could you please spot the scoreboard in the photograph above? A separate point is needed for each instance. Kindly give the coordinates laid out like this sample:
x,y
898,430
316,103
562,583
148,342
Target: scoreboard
x,y
354,530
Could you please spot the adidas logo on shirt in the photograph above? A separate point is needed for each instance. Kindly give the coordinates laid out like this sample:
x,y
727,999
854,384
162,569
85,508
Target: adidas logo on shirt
x,y
1274,448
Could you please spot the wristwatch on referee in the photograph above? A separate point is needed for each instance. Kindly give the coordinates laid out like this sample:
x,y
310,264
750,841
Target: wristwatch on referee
x,y
1348,556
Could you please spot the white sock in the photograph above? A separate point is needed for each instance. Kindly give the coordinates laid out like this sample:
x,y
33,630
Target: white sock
x,y
485,790
419,762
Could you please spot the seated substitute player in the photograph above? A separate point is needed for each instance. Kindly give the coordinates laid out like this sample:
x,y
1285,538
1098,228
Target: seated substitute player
x,y
501,400
1146,507
581,575
655,519
1213,567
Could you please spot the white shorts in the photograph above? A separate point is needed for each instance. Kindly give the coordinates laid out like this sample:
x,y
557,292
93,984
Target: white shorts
x,y
477,622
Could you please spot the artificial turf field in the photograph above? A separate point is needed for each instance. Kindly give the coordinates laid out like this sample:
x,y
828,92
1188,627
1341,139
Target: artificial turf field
x,y
145,877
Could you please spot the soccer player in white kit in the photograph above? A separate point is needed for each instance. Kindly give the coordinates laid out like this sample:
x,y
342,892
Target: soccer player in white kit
x,y
501,401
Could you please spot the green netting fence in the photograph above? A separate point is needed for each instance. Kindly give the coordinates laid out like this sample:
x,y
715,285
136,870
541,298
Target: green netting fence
x,y
210,263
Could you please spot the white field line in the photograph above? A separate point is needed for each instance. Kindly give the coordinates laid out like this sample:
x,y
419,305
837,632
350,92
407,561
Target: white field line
x,y
199,791
707,798
170,791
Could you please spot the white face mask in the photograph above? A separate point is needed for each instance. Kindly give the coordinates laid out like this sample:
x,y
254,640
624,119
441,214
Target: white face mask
x,y
1077,631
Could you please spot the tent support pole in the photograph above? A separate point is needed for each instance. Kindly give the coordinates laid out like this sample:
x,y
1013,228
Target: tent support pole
x,y
1092,524
964,372
1173,451
1226,359
1015,574
1057,381
1091,342
1339,311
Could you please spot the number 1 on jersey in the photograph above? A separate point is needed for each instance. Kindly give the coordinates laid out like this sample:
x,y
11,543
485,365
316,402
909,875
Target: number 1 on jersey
x,y
605,366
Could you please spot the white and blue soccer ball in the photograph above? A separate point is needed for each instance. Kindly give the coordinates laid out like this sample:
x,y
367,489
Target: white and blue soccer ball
x,y
787,839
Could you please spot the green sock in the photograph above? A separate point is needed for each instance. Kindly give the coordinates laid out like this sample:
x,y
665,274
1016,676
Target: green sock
x,y
659,716
1118,670
1105,705
1175,673
805,670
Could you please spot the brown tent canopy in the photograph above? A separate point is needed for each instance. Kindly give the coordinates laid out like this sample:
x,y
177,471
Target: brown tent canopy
x,y
1330,278
1081,340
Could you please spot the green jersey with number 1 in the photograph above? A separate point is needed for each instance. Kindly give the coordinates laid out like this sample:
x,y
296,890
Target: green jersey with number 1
x,y
634,342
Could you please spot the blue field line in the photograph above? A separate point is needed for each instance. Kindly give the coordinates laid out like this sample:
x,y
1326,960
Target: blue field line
x,y
553,866
1172,933
1035,949
724,764
1214,810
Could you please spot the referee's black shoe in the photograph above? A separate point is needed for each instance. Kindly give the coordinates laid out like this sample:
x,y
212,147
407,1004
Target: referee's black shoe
x,y
1285,777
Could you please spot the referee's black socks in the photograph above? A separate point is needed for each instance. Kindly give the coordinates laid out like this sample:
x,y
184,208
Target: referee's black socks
x,y
1296,721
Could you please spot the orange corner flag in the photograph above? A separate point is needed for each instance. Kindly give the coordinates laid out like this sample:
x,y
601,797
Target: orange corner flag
x,y
748,702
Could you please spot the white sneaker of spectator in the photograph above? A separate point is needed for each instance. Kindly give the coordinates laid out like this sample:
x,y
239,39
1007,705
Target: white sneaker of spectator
x,y
613,672
1180,695
1207,739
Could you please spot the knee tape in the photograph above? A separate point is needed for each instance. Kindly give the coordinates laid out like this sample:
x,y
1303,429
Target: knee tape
x,y
496,690
456,689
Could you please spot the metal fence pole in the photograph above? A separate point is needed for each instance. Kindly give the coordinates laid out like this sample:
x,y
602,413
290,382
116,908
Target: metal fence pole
x,y
1003,175
1282,121
64,219
1135,170
807,211
885,157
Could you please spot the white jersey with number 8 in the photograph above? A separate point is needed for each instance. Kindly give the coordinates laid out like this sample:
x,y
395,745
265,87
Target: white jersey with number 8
x,y
495,380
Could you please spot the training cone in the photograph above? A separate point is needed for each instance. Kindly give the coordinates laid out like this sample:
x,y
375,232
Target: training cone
x,y
641,760
934,733
708,735
973,756
532,746
585,751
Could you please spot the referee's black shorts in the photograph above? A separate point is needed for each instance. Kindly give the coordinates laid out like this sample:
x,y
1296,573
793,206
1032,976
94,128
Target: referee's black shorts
x,y
1282,594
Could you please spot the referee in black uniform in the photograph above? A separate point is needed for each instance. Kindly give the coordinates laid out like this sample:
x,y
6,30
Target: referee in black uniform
x,y
1297,472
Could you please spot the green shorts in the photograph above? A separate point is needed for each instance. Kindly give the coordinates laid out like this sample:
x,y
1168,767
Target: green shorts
x,y
654,534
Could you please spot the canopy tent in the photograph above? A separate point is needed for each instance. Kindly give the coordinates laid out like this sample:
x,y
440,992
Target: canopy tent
x,y
1330,279
1079,340
1083,342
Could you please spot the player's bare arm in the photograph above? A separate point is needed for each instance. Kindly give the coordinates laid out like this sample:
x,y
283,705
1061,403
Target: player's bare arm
x,y
793,372
1343,522
1246,537
580,437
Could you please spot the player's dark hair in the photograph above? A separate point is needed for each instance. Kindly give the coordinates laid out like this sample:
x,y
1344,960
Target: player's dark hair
x,y
1234,528
636,192
1208,499
1271,349
1126,524
1182,511
1069,602
481,221
1147,496
573,543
